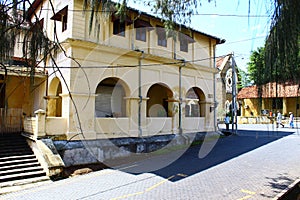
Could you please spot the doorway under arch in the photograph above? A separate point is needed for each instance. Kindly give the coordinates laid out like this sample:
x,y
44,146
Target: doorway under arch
x,y
55,100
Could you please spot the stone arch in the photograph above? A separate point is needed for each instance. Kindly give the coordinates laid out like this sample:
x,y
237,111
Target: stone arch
x,y
110,98
54,107
195,103
159,104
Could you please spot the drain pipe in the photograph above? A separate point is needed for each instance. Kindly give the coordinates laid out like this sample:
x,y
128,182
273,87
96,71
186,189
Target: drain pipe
x,y
215,92
221,41
180,96
140,93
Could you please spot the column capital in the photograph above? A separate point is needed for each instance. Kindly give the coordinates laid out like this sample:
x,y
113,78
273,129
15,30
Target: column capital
x,y
136,98
40,112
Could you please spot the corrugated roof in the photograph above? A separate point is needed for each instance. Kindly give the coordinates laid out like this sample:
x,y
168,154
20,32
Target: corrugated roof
x,y
269,91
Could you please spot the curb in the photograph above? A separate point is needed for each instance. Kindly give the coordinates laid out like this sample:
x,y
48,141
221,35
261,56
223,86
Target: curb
x,y
278,196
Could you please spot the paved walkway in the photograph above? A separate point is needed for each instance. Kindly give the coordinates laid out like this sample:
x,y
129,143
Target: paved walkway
x,y
260,173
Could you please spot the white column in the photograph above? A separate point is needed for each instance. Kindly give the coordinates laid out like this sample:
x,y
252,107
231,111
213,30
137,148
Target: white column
x,y
132,107
40,129
81,115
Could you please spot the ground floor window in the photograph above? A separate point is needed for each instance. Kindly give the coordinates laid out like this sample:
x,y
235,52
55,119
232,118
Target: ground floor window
x,y
110,100
158,104
195,100
277,103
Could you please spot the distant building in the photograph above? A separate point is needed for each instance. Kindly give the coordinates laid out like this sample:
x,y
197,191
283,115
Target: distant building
x,y
224,82
282,97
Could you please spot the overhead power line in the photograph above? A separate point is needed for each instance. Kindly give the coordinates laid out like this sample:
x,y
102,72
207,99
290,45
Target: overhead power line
x,y
193,14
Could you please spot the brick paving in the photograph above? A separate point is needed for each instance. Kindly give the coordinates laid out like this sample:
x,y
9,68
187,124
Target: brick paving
x,y
260,173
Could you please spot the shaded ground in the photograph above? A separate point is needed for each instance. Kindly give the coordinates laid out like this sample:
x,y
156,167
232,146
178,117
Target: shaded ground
x,y
189,163
225,149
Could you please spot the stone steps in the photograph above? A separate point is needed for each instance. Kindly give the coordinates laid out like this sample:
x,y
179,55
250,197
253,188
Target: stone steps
x,y
18,164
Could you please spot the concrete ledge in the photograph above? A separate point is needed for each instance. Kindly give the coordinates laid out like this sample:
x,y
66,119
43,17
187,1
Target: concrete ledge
x,y
95,151
47,155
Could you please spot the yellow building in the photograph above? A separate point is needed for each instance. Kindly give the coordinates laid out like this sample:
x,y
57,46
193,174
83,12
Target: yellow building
x,y
274,97
121,79
125,78
20,90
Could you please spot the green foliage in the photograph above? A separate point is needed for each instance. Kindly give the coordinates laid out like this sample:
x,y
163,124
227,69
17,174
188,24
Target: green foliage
x,y
105,7
13,26
243,78
279,60
8,30
283,43
256,67
170,11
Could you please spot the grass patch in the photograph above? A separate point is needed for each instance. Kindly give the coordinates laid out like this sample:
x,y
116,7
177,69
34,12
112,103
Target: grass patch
x,y
170,149
166,150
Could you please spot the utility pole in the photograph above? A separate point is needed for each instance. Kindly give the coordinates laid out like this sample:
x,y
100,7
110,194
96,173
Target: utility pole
x,y
234,96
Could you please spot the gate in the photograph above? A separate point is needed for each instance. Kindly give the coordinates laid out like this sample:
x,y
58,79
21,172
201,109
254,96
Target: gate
x,y
11,120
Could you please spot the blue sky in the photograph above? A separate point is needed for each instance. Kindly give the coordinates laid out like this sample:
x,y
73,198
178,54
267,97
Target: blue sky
x,y
242,33
228,19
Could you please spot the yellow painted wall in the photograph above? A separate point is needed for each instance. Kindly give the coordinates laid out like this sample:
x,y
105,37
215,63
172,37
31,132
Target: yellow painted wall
x,y
250,107
95,50
20,93
252,104
292,106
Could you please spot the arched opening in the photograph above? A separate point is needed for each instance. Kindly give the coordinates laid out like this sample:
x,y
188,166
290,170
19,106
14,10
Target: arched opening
x,y
110,100
158,104
195,103
55,101
58,100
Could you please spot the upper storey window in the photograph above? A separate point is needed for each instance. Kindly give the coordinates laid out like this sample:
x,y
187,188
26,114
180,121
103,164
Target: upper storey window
x,y
184,45
140,34
161,37
62,16
141,28
119,26
185,40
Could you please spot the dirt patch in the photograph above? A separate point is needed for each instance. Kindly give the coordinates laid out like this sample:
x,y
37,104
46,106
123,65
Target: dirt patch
x,y
82,169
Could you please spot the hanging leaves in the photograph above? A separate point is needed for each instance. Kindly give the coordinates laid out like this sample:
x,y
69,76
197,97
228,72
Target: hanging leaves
x,y
9,27
170,11
283,43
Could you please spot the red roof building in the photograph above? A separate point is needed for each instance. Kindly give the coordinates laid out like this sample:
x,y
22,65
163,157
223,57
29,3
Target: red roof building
x,y
274,96
269,91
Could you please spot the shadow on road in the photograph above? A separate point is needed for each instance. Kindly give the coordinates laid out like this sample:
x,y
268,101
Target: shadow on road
x,y
225,149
